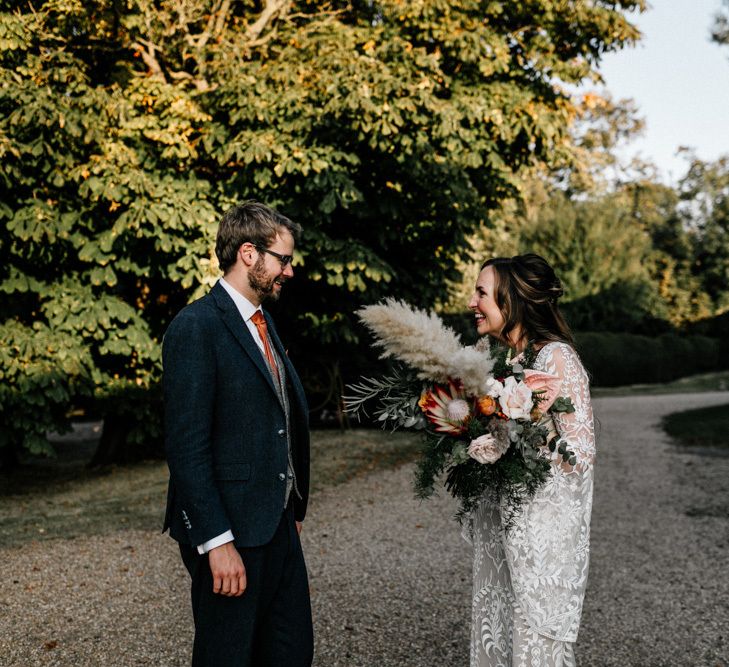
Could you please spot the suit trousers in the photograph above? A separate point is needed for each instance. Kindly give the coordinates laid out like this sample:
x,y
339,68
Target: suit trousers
x,y
269,625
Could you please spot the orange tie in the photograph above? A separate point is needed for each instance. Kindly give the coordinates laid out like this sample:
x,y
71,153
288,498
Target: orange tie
x,y
260,322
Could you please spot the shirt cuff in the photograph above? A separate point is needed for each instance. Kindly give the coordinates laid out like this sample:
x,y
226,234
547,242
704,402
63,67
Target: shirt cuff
x,y
226,537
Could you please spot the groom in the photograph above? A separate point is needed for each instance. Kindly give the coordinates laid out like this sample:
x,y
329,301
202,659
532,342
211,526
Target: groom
x,y
237,442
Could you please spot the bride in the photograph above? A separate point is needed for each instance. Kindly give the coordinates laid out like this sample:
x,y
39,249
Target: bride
x,y
529,580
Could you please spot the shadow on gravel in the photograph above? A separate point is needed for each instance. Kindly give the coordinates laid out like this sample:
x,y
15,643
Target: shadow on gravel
x,y
61,497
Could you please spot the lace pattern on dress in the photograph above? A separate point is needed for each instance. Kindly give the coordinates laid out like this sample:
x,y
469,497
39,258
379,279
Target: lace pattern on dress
x,y
529,582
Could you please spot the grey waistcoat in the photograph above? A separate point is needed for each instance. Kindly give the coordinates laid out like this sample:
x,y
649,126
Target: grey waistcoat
x,y
284,399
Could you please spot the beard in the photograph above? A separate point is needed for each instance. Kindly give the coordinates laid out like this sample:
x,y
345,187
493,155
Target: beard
x,y
261,283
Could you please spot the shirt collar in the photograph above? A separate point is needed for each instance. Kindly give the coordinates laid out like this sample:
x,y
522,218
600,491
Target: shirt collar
x,y
245,307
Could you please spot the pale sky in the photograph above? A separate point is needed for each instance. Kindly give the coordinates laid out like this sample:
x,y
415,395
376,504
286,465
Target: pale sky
x,y
680,82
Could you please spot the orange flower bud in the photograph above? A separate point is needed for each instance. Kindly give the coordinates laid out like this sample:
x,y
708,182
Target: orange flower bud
x,y
486,405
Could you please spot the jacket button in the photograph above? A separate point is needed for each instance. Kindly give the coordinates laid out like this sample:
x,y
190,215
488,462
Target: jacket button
x,y
281,476
282,432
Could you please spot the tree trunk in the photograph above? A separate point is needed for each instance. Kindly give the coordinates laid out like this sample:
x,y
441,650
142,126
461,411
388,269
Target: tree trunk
x,y
113,446
8,458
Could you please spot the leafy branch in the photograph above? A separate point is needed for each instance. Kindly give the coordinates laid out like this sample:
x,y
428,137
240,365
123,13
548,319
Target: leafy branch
x,y
394,397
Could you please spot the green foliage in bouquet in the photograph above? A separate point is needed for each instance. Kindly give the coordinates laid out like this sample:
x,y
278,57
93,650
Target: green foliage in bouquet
x,y
396,396
514,477
507,483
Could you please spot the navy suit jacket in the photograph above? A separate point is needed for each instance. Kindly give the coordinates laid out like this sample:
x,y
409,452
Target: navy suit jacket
x,y
225,428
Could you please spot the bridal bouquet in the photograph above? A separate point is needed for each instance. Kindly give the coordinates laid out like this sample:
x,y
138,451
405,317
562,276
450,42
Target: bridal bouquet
x,y
484,416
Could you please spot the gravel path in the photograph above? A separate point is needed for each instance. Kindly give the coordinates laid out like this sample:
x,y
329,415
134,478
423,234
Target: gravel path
x,y
390,577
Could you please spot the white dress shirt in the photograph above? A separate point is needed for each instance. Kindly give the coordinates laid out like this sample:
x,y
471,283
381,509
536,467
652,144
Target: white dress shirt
x,y
246,310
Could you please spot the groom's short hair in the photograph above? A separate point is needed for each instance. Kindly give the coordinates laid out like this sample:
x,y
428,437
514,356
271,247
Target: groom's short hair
x,y
253,222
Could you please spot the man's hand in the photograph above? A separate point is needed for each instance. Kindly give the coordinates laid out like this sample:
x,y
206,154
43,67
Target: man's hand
x,y
229,573
299,526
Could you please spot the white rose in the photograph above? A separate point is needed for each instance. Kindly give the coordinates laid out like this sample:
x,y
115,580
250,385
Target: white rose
x,y
486,449
494,387
516,399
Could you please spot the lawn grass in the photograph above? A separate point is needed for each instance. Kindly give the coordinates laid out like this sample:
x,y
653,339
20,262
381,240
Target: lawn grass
x,y
695,383
703,427
61,498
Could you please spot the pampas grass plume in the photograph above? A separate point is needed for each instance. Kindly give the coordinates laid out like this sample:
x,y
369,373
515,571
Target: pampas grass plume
x,y
423,342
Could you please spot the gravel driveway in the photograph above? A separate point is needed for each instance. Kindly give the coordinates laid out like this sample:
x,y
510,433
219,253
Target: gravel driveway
x,y
390,577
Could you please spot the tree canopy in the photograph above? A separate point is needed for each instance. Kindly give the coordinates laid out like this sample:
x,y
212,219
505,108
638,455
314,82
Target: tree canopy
x,y
390,130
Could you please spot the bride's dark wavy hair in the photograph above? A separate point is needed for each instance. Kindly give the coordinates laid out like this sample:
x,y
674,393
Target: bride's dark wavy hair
x,y
527,291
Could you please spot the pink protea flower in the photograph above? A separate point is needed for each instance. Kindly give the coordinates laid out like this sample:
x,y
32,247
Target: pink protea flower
x,y
446,407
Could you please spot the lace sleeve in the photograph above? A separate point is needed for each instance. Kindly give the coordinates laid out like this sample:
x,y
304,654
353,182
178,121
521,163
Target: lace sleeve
x,y
576,428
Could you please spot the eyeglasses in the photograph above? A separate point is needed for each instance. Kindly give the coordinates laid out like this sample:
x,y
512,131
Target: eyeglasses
x,y
285,260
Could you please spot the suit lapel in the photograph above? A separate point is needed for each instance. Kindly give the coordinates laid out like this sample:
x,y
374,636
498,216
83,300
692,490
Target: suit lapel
x,y
232,319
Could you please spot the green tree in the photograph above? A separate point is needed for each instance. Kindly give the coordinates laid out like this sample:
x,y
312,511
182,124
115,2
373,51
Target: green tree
x,y
631,250
604,257
705,194
671,264
591,244
556,211
389,129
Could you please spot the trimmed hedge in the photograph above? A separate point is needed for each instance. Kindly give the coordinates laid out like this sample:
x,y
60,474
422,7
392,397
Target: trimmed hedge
x,y
616,359
716,327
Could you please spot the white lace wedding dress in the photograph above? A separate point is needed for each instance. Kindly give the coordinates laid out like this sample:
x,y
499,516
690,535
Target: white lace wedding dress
x,y
529,581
